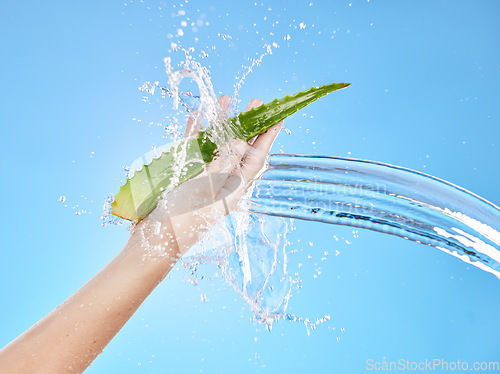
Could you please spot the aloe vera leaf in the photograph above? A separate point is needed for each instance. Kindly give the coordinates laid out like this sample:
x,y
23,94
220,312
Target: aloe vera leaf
x,y
140,194
258,120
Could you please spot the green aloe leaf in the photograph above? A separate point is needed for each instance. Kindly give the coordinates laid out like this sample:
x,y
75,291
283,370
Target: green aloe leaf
x,y
140,194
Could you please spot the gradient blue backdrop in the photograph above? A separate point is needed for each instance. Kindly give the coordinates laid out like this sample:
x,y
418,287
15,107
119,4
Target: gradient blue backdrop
x,y
425,96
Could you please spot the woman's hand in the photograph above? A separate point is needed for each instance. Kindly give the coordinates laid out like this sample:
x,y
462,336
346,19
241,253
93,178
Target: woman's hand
x,y
187,212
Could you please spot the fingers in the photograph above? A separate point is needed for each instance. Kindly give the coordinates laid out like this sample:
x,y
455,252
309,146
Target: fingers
x,y
231,154
253,104
222,178
264,141
192,130
194,120
224,102
253,162
256,152
229,157
239,157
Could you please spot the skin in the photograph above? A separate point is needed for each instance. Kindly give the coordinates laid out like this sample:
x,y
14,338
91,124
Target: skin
x,y
69,338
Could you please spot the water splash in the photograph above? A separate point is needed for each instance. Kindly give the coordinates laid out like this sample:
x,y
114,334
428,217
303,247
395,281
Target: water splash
x,y
249,249
188,99
107,218
382,198
251,252
254,266
249,246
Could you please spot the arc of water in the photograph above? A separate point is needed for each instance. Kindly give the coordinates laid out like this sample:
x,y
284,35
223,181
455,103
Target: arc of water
x,y
384,198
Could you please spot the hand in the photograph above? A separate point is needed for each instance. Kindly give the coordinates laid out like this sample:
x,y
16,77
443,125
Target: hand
x,y
186,213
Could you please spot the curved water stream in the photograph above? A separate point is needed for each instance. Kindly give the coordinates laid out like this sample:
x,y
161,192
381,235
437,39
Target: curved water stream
x,y
250,249
383,198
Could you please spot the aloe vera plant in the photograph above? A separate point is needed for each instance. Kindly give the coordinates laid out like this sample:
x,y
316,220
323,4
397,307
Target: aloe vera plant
x,y
140,194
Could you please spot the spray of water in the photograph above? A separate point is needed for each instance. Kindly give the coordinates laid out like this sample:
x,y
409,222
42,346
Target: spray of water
x,y
250,244
250,249
384,198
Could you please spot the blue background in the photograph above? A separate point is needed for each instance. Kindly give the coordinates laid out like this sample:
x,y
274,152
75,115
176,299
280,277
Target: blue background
x,y
425,80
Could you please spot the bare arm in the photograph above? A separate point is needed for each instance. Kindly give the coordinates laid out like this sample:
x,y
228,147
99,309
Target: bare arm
x,y
69,338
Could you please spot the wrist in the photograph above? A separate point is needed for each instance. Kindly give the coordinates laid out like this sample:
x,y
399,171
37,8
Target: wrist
x,y
152,240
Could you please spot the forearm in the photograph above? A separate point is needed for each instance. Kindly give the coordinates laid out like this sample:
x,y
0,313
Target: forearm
x,y
71,336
